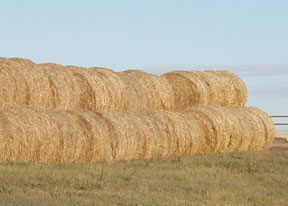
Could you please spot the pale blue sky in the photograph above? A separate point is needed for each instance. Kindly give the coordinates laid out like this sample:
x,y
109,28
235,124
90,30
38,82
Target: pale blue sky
x,y
157,36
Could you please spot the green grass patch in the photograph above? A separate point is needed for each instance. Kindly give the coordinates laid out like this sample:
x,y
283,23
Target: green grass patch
x,y
254,178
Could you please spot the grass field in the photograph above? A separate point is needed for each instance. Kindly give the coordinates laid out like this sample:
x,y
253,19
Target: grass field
x,y
253,178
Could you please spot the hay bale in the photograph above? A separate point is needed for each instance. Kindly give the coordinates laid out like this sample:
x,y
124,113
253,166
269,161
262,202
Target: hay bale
x,y
24,83
63,85
268,124
38,135
185,135
41,135
100,89
216,88
213,120
253,128
147,91
13,86
38,90
235,128
96,135
114,90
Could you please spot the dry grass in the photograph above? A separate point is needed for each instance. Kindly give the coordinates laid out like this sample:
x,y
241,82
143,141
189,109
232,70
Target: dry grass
x,y
238,179
41,135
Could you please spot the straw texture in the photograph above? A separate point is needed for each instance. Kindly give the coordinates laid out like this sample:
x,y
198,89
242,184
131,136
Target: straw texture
x,y
215,88
24,83
147,91
41,135
235,128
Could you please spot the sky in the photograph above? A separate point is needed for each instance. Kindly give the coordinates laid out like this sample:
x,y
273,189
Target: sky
x,y
248,37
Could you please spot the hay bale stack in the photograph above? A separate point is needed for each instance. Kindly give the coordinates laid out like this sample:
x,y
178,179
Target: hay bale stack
x,y
39,135
147,91
24,83
216,88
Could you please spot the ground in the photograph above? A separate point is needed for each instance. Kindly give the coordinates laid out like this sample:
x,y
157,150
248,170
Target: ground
x,y
281,142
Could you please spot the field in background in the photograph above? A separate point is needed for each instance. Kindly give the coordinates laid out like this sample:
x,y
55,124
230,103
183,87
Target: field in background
x,y
248,178
282,134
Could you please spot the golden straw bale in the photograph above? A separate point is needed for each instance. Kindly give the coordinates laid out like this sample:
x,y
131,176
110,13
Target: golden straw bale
x,y
24,130
268,123
159,136
100,89
98,147
126,139
38,90
188,89
114,87
49,135
63,85
255,128
40,135
216,88
251,135
235,88
185,134
234,128
13,86
147,91
214,122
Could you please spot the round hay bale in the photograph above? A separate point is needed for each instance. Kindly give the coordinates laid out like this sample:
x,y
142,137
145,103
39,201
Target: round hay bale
x,y
213,119
147,91
235,89
13,86
268,123
29,135
235,128
216,88
97,147
63,85
38,135
188,89
49,135
185,134
251,129
38,90
114,87
100,89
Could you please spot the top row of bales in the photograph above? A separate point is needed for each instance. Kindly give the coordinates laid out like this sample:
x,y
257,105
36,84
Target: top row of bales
x,y
24,83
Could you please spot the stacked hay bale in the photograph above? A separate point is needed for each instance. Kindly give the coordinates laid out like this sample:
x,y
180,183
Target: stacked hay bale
x,y
41,135
55,113
216,88
24,83
147,91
